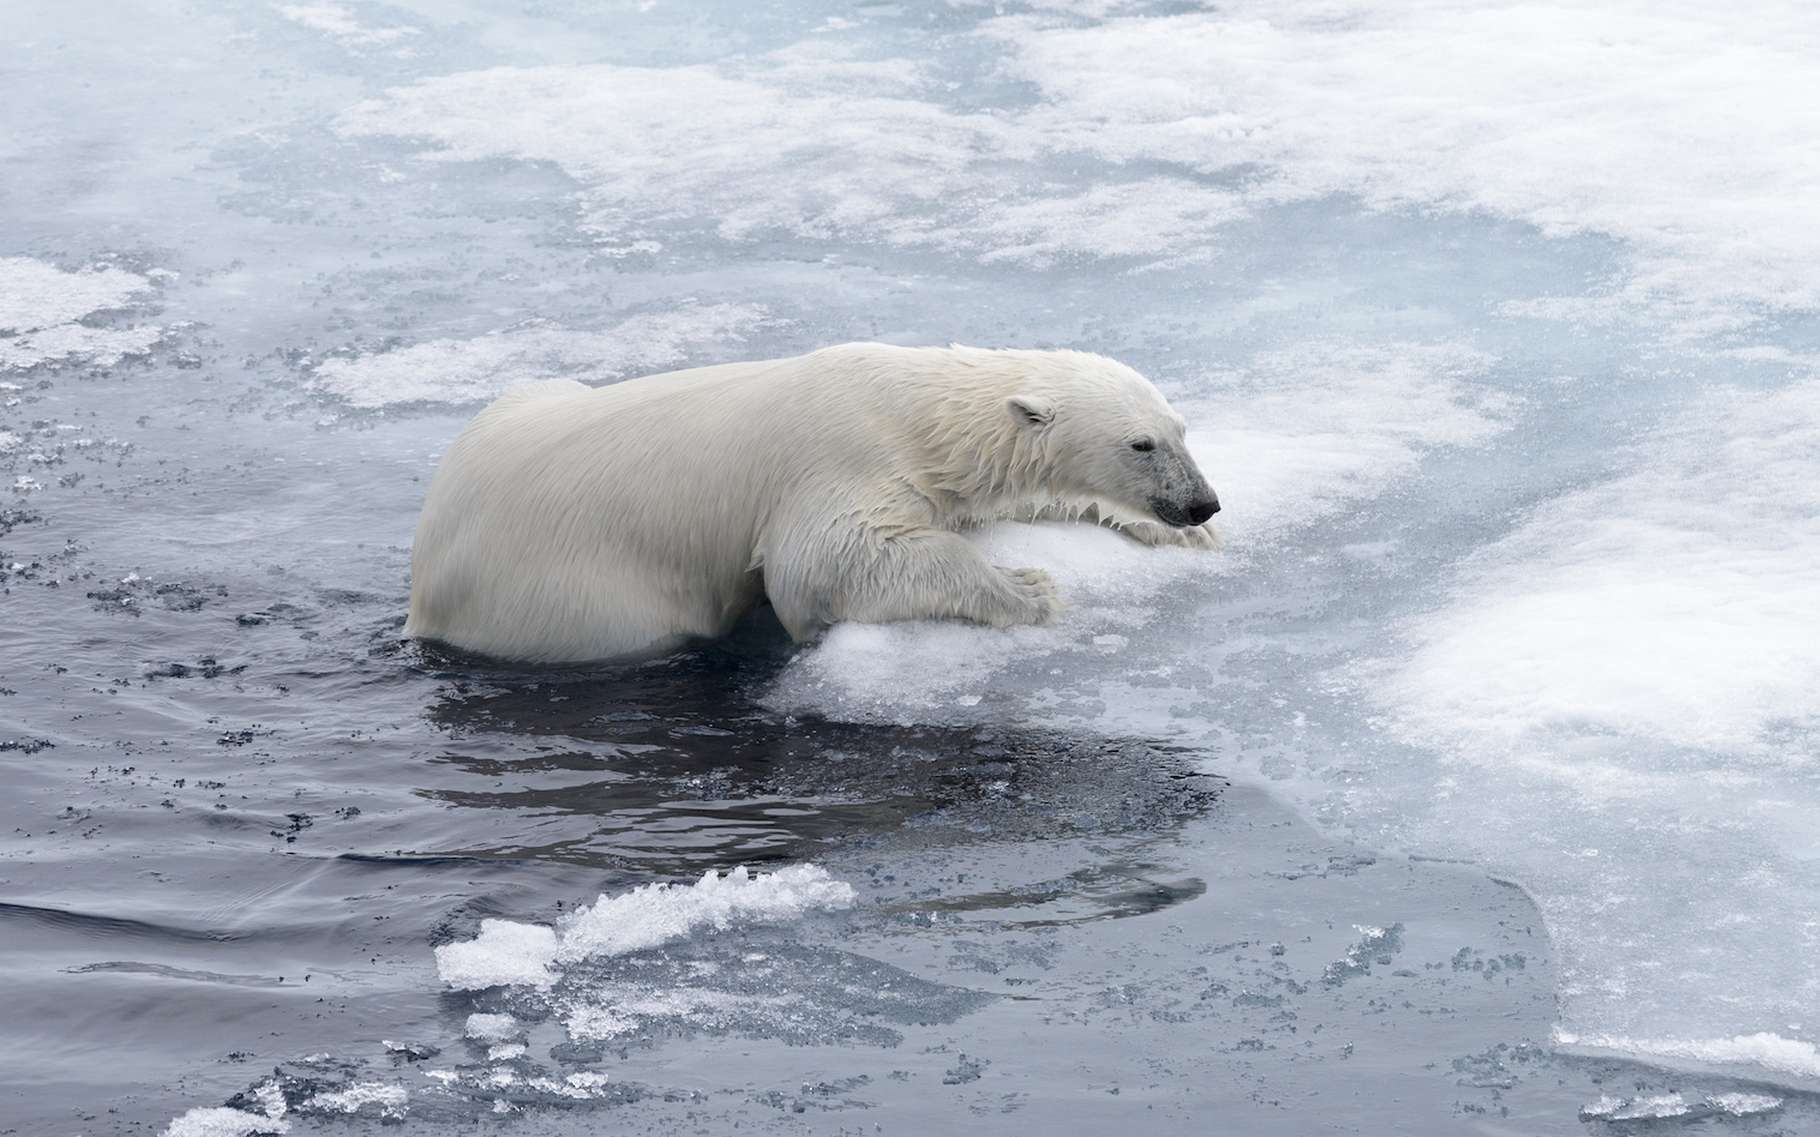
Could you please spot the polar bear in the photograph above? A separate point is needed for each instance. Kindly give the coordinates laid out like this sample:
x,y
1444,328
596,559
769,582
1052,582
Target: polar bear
x,y
571,523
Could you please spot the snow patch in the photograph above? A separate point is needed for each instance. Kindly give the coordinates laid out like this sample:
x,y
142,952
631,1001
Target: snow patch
x,y
475,370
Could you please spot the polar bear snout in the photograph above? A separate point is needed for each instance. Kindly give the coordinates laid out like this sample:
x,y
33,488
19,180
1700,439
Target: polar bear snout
x,y
1183,498
1181,515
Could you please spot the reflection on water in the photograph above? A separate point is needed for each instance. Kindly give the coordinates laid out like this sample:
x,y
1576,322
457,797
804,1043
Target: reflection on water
x,y
671,766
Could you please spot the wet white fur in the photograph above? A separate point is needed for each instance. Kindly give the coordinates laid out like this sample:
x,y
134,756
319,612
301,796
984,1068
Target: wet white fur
x,y
573,523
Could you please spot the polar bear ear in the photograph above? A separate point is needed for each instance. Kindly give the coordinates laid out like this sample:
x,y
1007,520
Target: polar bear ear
x,y
1031,410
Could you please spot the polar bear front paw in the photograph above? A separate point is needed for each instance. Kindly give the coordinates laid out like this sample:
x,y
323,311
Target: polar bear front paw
x,y
1035,598
1199,536
1160,536
1148,533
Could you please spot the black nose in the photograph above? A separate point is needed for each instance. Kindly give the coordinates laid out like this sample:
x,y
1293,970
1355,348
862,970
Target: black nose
x,y
1201,510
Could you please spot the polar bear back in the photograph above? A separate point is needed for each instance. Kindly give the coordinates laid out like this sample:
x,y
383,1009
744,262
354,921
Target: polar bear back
x,y
569,522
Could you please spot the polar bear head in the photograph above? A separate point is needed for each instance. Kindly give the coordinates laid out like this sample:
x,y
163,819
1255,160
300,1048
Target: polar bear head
x,y
1106,435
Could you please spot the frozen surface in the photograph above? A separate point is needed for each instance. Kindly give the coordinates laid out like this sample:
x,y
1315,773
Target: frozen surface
x,y
1495,325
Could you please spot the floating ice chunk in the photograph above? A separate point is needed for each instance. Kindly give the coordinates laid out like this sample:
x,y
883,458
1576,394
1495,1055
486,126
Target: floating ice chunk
x,y
593,1022
511,953
583,1086
1651,1108
387,1100
219,1121
483,1027
587,1081
1743,1105
1661,1107
271,1095
1375,945
1770,1051
8,441
655,914
505,953
76,342
41,303
36,295
506,1051
478,369
412,1051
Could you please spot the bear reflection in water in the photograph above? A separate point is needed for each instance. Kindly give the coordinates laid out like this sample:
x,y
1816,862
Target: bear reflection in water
x,y
672,767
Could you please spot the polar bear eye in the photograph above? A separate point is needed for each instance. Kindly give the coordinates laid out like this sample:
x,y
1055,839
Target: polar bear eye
x,y
1143,446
